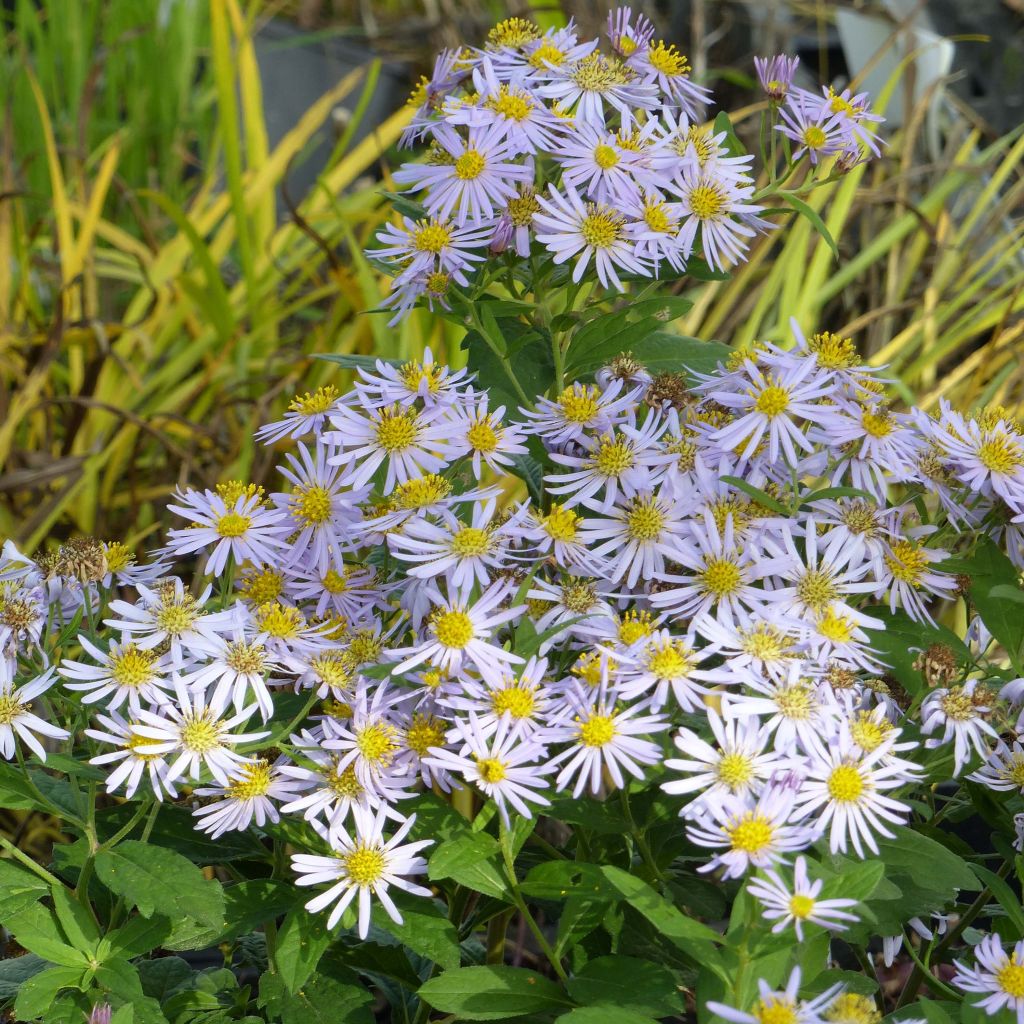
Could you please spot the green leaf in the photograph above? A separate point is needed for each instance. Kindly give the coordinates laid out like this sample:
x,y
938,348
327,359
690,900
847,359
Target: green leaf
x,y
625,981
19,888
425,930
157,880
693,938
355,362
75,920
837,492
249,904
531,472
139,935
493,993
1004,894
814,217
992,576
525,357
404,205
603,1015
16,971
723,123
470,860
334,995
558,879
163,977
37,930
761,497
301,940
37,994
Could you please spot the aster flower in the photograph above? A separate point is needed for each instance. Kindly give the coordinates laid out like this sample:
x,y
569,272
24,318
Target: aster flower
x,y
476,175
783,1006
1003,768
816,132
594,86
775,75
247,799
661,663
602,737
959,712
409,442
595,232
306,414
661,64
503,765
907,575
797,903
18,722
625,35
736,768
244,529
424,380
193,735
232,668
370,739
579,410
423,245
124,672
478,432
750,835
998,976
595,163
637,536
844,790
131,765
458,631
366,864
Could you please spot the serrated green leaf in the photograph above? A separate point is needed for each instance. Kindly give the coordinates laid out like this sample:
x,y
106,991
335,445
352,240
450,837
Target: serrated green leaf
x,y
470,860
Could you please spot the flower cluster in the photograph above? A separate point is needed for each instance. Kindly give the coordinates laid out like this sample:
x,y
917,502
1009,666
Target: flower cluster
x,y
707,573
598,157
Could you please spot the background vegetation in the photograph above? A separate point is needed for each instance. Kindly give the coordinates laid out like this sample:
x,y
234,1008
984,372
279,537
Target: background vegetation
x,y
162,293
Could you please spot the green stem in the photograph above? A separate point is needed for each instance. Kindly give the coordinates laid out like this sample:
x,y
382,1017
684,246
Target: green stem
x,y
517,896
141,812
926,972
28,862
641,839
496,929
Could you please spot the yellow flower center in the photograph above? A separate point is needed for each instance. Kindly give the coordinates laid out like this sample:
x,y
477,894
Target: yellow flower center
x,y
365,646
200,733
424,732
795,702
517,701
735,770
868,732
644,520
1000,454
605,157
377,743
345,784
613,457
907,562
177,616
833,351
491,769
850,1008
422,491
512,32
836,627
597,73
471,541
1013,770
522,208
579,403
414,374
432,237
860,518
764,642
516,106
720,577
364,864
470,165
1011,979
773,401
245,657
11,708
666,59
578,597
817,589
453,629
656,217
752,833
670,661
814,137
131,667
134,741
316,403
397,429
838,105
845,784
601,228
773,1011
634,626
546,54
561,523
280,620
800,906
708,200
254,780
960,705
877,424
262,587
312,505
597,731
482,436
588,669
334,582
332,669
119,556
